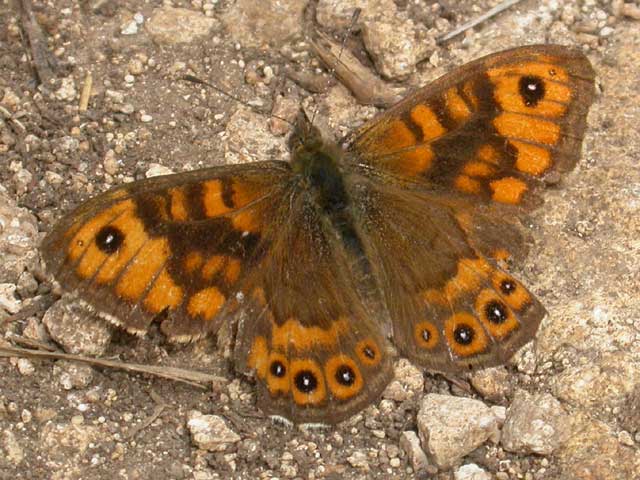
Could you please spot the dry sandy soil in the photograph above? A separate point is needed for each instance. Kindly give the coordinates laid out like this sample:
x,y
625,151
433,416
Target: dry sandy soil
x,y
565,408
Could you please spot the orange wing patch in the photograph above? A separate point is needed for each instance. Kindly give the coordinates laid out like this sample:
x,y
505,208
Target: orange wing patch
x,y
178,208
213,200
470,274
456,106
508,190
522,127
553,105
164,294
426,119
531,159
293,334
533,96
398,140
206,303
487,153
467,185
140,273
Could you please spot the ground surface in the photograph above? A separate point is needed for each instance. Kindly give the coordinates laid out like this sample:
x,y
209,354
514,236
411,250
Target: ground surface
x,y
571,398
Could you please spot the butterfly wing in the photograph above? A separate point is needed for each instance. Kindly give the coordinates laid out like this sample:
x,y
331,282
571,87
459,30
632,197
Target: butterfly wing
x,y
490,129
240,243
313,340
438,261
174,247
443,176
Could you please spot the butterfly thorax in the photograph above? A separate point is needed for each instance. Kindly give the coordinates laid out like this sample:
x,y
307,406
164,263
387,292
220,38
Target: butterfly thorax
x,y
317,162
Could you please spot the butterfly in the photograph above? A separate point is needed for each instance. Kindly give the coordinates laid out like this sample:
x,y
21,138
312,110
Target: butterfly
x,y
395,241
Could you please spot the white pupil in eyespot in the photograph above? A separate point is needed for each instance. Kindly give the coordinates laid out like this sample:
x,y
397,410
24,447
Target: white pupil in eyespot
x,y
532,86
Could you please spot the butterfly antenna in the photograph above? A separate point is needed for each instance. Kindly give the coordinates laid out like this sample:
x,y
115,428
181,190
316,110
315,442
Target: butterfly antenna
x,y
191,78
332,70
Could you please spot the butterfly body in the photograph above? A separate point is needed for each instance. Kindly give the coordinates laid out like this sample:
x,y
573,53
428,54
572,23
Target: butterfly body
x,y
394,242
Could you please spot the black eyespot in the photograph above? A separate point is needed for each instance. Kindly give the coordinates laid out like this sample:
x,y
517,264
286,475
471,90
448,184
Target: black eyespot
x,y
496,312
369,352
345,375
109,239
532,90
463,334
306,381
507,287
426,335
277,369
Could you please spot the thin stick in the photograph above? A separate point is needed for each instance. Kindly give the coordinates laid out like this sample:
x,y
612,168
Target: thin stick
x,y
86,92
332,70
44,62
472,23
190,377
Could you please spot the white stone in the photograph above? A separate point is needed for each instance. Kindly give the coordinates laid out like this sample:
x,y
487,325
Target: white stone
x,y
210,432
451,427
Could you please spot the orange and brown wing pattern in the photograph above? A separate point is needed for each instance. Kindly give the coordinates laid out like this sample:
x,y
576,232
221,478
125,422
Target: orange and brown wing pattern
x,y
452,305
174,246
491,128
309,335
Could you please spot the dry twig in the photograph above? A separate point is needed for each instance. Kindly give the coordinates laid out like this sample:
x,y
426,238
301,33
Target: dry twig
x,y
365,86
44,62
191,377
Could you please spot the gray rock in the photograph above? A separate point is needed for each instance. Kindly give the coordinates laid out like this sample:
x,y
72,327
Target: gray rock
x,y
67,91
72,374
170,25
535,424
603,383
471,471
491,383
13,451
410,443
249,139
270,22
76,329
594,452
451,427
408,382
358,459
210,432
25,367
338,14
156,170
394,41
18,240
396,45
76,438
8,300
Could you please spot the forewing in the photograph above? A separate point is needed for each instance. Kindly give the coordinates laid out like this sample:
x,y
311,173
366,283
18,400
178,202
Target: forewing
x,y
490,129
173,247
